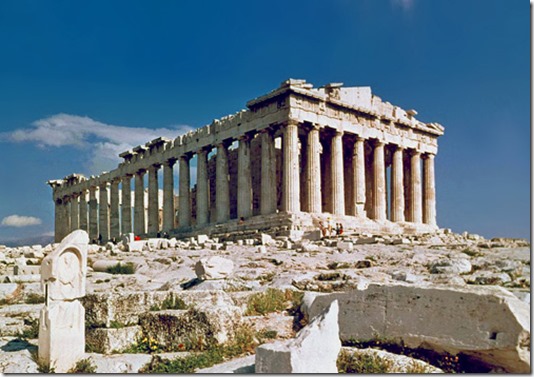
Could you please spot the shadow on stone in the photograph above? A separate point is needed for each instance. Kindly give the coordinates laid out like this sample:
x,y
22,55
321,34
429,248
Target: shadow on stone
x,y
191,283
18,345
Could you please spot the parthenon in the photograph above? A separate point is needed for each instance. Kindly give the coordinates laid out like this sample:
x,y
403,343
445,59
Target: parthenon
x,y
296,156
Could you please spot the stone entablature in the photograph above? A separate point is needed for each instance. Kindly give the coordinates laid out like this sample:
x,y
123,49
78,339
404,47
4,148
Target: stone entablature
x,y
336,145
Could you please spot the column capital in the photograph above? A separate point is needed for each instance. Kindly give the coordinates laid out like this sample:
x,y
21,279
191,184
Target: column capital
x,y
116,180
415,152
380,143
140,172
428,155
398,147
245,137
103,185
206,150
360,138
338,133
292,122
224,143
186,156
155,166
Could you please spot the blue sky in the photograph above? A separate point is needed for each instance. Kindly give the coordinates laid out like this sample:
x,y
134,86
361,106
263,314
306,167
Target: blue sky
x,y
82,81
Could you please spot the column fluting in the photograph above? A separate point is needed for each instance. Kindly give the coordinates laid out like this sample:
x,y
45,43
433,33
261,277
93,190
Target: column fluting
x,y
268,174
244,179
429,190
184,207
397,186
139,203
222,189
313,172
379,182
126,207
338,181
202,188
114,224
290,169
168,195
415,188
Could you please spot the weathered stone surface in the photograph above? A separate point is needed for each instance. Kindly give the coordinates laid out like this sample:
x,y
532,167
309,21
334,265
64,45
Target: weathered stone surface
x,y
8,290
451,266
121,363
342,245
314,350
213,268
136,246
489,324
104,340
104,265
61,322
241,365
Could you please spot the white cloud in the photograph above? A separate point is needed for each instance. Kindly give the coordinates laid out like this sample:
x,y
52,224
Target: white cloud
x,y
20,221
102,142
405,5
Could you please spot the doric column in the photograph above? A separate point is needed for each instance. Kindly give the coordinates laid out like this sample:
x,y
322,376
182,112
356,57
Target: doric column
x,y
379,182
358,176
139,203
168,195
397,186
429,190
268,173
59,220
313,172
415,188
83,210
244,178
66,215
74,206
202,188
290,168
103,210
93,214
338,182
222,189
184,207
114,223
153,200
126,209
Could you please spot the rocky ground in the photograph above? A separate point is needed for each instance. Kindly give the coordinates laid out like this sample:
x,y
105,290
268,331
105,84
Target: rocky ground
x,y
133,297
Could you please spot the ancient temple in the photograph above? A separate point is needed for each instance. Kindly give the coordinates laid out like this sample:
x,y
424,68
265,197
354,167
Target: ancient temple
x,y
296,156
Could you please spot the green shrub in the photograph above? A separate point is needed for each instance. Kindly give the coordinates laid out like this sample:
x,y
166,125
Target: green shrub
x,y
34,298
170,303
32,332
272,300
83,366
124,269
349,362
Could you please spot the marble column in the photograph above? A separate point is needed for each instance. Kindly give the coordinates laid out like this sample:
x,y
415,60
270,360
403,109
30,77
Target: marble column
x,y
139,204
126,209
59,220
103,210
202,188
66,215
114,223
93,214
268,174
222,189
74,206
338,181
416,209
397,186
184,207
168,195
153,200
244,179
358,176
429,190
290,169
83,210
379,182
313,172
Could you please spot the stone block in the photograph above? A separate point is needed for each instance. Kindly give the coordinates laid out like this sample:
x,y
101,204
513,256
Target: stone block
x,y
213,268
8,290
486,323
202,239
345,245
103,340
136,246
104,265
366,240
314,349
451,266
62,334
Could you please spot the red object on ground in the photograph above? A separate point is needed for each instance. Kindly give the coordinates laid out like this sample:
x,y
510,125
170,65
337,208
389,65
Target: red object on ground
x,y
137,238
